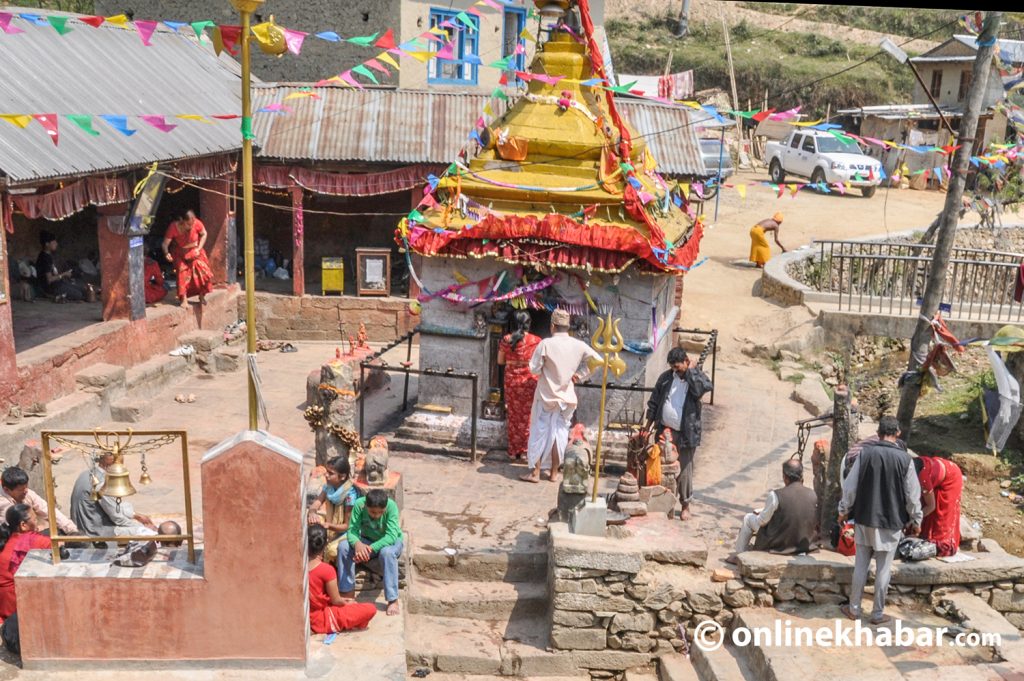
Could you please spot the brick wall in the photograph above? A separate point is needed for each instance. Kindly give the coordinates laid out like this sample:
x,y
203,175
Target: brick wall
x,y
285,317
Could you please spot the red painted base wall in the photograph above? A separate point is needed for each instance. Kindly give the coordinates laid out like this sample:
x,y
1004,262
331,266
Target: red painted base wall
x,y
251,604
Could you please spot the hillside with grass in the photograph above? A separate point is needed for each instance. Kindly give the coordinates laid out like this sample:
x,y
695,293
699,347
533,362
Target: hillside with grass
x,y
819,57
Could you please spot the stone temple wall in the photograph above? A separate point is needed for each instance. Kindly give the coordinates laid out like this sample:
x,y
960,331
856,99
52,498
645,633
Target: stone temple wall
x,y
453,337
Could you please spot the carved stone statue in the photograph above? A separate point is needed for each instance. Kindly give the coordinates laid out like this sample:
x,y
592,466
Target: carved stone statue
x,y
578,458
670,467
376,466
362,337
351,344
575,473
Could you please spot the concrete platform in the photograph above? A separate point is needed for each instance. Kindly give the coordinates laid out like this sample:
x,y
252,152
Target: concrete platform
x,y
831,566
724,664
477,600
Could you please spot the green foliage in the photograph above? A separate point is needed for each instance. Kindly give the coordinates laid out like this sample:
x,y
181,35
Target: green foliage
x,y
789,66
79,6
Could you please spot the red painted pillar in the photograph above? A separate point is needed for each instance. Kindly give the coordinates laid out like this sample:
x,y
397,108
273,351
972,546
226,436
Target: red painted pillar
x,y
8,353
114,270
298,245
214,207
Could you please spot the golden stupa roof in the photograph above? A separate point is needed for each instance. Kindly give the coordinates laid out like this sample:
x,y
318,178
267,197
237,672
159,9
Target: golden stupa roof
x,y
558,179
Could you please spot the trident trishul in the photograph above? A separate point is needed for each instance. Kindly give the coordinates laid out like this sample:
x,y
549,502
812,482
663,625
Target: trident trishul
x,y
608,342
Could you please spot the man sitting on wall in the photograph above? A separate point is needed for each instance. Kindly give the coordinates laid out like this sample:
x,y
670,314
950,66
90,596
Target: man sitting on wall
x,y
49,280
106,517
14,482
374,531
788,523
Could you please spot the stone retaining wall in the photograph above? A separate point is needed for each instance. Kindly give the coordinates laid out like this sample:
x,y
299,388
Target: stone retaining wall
x,y
287,317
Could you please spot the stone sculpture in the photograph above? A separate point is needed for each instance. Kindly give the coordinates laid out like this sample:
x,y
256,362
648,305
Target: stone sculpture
x,y
362,337
579,457
670,467
331,411
375,467
627,496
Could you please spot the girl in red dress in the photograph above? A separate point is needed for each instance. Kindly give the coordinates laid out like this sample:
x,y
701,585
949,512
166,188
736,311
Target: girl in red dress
x,y
18,536
195,278
942,484
329,612
514,354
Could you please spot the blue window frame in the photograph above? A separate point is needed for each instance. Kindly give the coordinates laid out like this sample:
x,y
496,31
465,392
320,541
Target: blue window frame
x,y
514,23
466,43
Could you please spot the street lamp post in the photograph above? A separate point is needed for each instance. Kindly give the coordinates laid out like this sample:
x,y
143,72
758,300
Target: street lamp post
x,y
246,9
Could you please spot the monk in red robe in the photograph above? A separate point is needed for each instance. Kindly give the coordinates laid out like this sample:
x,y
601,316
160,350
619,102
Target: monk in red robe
x,y
195,278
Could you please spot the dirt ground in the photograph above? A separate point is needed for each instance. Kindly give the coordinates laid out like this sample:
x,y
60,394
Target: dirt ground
x,y
705,11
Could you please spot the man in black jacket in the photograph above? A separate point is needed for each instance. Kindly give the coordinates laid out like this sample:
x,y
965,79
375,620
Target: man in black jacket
x,y
883,496
676,404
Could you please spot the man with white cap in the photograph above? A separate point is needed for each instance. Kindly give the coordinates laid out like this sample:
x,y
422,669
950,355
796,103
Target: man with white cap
x,y
556,363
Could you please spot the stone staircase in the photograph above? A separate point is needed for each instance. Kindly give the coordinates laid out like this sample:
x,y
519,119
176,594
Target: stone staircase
x,y
482,615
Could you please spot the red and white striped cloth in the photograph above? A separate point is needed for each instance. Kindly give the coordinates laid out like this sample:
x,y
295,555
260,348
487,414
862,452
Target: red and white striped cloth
x,y
676,85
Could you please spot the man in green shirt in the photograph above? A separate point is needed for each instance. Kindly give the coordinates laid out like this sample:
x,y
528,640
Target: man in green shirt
x,y
373,531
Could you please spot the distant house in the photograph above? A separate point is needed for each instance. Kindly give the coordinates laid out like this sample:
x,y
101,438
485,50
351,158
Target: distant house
x,y
946,71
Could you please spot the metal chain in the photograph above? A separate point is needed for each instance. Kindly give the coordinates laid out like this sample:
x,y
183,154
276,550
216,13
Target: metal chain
x,y
96,448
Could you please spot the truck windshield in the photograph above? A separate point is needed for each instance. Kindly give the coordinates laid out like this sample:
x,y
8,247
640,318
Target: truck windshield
x,y
833,145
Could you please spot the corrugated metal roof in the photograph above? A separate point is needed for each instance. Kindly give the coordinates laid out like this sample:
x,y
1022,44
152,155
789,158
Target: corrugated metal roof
x,y
1011,50
107,70
414,126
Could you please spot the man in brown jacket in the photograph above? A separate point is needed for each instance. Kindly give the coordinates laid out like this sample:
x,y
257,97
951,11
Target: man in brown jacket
x,y
788,523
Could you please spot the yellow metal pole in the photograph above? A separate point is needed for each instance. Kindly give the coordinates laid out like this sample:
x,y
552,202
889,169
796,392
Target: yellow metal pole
x,y
600,428
250,250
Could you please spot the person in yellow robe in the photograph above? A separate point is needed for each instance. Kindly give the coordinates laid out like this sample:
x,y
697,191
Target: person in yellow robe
x,y
760,250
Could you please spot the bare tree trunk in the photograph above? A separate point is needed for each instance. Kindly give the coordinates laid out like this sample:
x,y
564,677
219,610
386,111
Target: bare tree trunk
x,y
828,479
947,228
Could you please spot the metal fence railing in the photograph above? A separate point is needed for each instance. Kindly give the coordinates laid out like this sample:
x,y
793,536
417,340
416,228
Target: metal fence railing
x,y
890,278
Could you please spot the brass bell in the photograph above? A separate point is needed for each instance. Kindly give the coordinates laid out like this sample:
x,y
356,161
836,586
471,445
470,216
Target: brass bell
x,y
117,483
144,479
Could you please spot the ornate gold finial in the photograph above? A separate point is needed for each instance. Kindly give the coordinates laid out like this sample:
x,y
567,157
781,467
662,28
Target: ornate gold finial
x,y
270,37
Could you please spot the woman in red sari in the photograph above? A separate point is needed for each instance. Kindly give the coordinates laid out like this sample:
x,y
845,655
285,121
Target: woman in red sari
x,y
17,537
942,484
195,278
514,354
329,612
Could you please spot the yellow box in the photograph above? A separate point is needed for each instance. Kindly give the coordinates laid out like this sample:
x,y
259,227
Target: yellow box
x,y
332,275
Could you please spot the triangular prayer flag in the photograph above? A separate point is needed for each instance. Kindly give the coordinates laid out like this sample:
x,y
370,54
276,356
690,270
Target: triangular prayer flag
x,y
145,30
503,79
502,64
276,107
158,122
465,19
480,122
329,36
386,41
118,20
364,40
302,94
20,120
226,38
60,24
366,73
294,39
499,94
490,3
741,189
175,25
5,24
49,122
447,52
592,82
200,26
346,76
526,35
194,117
377,66
36,19
83,121
473,59
95,21
119,123
225,117
520,49
415,216
488,110
388,59
423,57
761,115
474,135
782,190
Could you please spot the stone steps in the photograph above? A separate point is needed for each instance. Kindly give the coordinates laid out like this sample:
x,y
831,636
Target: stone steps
x,y
724,664
444,676
494,565
502,647
477,600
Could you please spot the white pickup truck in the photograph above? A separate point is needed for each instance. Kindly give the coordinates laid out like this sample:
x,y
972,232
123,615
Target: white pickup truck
x,y
823,158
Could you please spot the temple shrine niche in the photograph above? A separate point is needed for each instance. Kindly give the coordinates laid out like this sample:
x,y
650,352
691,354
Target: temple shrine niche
x,y
557,203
